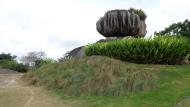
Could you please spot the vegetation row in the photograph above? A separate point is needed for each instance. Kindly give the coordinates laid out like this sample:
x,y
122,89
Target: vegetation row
x,y
160,50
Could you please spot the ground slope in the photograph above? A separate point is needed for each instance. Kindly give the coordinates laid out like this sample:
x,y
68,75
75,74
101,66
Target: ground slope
x,y
172,83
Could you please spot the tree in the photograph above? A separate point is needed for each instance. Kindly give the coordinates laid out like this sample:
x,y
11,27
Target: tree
x,y
8,61
177,29
32,57
6,57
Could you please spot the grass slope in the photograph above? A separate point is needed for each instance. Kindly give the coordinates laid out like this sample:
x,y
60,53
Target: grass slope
x,y
172,84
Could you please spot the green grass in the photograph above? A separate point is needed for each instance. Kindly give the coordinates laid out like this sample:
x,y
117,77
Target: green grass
x,y
95,76
172,85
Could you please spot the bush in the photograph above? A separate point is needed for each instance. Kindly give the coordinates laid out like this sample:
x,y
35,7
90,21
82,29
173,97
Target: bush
x,y
160,50
13,65
93,75
41,62
139,12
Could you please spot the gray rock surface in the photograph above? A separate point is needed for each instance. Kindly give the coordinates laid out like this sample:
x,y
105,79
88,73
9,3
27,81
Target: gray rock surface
x,y
77,53
121,23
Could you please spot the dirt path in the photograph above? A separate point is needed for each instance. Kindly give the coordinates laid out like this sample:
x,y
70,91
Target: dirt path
x,y
14,94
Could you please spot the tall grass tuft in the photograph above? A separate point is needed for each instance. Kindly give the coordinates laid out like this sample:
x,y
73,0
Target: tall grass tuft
x,y
160,50
94,75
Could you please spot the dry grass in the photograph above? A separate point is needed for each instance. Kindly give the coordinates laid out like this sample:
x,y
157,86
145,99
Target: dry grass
x,y
29,97
75,77
13,97
19,95
93,75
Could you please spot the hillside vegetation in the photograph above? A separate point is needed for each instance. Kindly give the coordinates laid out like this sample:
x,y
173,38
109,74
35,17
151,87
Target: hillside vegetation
x,y
114,79
94,80
94,75
160,50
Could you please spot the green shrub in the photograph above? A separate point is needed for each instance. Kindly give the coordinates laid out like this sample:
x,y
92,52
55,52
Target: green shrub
x,y
160,50
93,75
139,12
13,65
41,62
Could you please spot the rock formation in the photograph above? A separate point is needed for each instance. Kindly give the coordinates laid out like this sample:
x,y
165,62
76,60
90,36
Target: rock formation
x,y
115,25
121,23
77,53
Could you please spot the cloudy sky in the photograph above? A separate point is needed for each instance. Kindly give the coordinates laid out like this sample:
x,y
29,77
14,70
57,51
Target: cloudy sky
x,y
57,26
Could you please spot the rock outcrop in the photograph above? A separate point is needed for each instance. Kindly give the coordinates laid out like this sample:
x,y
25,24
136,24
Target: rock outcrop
x,y
121,23
115,25
77,53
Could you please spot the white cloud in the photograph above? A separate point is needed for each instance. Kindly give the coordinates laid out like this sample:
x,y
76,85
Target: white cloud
x,y
32,25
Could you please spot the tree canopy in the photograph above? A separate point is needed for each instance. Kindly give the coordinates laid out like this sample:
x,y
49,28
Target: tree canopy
x,y
31,58
177,29
6,57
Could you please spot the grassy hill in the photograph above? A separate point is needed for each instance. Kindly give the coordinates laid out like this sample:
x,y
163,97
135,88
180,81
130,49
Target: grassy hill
x,y
104,82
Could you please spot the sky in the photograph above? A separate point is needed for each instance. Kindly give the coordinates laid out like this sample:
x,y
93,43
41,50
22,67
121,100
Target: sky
x,y
57,26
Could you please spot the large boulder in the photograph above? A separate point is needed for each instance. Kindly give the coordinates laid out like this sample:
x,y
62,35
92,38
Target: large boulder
x,y
121,23
77,52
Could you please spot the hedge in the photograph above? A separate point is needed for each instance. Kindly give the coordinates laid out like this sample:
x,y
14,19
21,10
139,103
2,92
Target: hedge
x,y
160,50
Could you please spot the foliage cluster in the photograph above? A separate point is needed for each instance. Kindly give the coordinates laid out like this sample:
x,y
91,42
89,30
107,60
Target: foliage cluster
x,y
139,12
13,65
160,50
41,62
180,28
6,57
93,75
8,61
